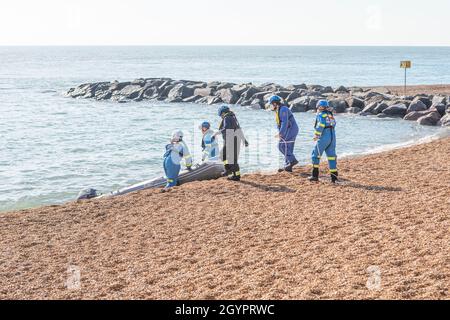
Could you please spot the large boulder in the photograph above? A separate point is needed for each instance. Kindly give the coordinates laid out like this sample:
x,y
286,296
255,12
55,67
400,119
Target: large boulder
x,y
341,89
213,84
179,92
338,105
101,91
313,103
370,94
370,108
272,87
213,100
282,94
425,99
262,95
140,82
240,88
165,84
430,119
314,94
83,91
103,95
154,82
257,104
299,108
439,100
228,96
354,102
407,98
249,93
117,86
192,99
353,110
327,89
202,100
440,107
300,104
204,92
225,85
445,120
164,90
417,105
150,92
293,87
244,102
399,101
376,98
396,110
293,95
415,115
380,108
129,92
315,87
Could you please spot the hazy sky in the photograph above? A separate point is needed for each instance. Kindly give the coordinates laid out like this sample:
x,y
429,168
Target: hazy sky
x,y
228,22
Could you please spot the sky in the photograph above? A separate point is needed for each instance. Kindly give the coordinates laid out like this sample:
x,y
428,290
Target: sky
x,y
228,22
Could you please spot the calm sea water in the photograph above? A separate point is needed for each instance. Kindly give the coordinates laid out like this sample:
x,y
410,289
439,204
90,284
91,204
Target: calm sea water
x,y
52,146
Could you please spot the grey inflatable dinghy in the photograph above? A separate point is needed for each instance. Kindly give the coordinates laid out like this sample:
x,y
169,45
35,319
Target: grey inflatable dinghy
x,y
208,170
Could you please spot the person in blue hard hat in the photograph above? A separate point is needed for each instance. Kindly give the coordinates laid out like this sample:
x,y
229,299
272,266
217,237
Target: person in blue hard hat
x,y
210,146
325,137
233,137
287,131
176,150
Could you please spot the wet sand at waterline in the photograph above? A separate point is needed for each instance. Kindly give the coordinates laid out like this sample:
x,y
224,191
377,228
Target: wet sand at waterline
x,y
382,233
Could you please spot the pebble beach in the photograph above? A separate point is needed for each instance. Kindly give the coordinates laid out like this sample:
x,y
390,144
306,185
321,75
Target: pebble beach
x,y
382,233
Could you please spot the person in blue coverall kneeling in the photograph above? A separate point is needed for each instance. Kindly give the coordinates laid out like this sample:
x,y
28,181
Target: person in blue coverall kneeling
x,y
325,137
287,132
176,150
210,146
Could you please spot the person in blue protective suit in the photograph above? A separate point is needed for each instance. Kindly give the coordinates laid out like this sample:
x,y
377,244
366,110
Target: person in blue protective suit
x,y
325,137
176,150
233,137
210,146
287,132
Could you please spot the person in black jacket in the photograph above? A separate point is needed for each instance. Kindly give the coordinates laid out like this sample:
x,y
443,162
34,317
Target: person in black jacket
x,y
233,137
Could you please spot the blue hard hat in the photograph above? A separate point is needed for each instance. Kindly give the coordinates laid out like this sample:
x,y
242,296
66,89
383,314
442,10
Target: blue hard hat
x,y
323,104
206,125
273,99
222,110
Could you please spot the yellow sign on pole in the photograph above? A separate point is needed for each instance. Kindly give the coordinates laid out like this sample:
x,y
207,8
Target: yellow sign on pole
x,y
405,64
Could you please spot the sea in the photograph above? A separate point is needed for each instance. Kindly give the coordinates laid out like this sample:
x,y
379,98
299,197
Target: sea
x,y
51,146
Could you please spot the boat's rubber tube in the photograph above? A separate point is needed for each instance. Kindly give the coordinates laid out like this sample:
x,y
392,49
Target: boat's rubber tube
x,y
208,170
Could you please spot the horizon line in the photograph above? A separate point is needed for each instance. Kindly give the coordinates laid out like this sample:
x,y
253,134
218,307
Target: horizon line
x,y
219,45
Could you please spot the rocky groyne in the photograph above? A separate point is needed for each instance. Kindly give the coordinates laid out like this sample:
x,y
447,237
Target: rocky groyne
x,y
424,108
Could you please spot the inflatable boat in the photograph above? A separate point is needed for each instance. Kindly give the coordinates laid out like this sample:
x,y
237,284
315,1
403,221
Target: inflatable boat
x,y
208,170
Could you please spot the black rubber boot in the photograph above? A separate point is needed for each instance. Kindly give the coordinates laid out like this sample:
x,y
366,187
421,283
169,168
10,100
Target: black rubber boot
x,y
234,178
334,177
227,171
315,175
290,166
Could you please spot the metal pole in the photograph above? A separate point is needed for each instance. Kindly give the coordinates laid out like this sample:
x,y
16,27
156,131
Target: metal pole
x,y
405,82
